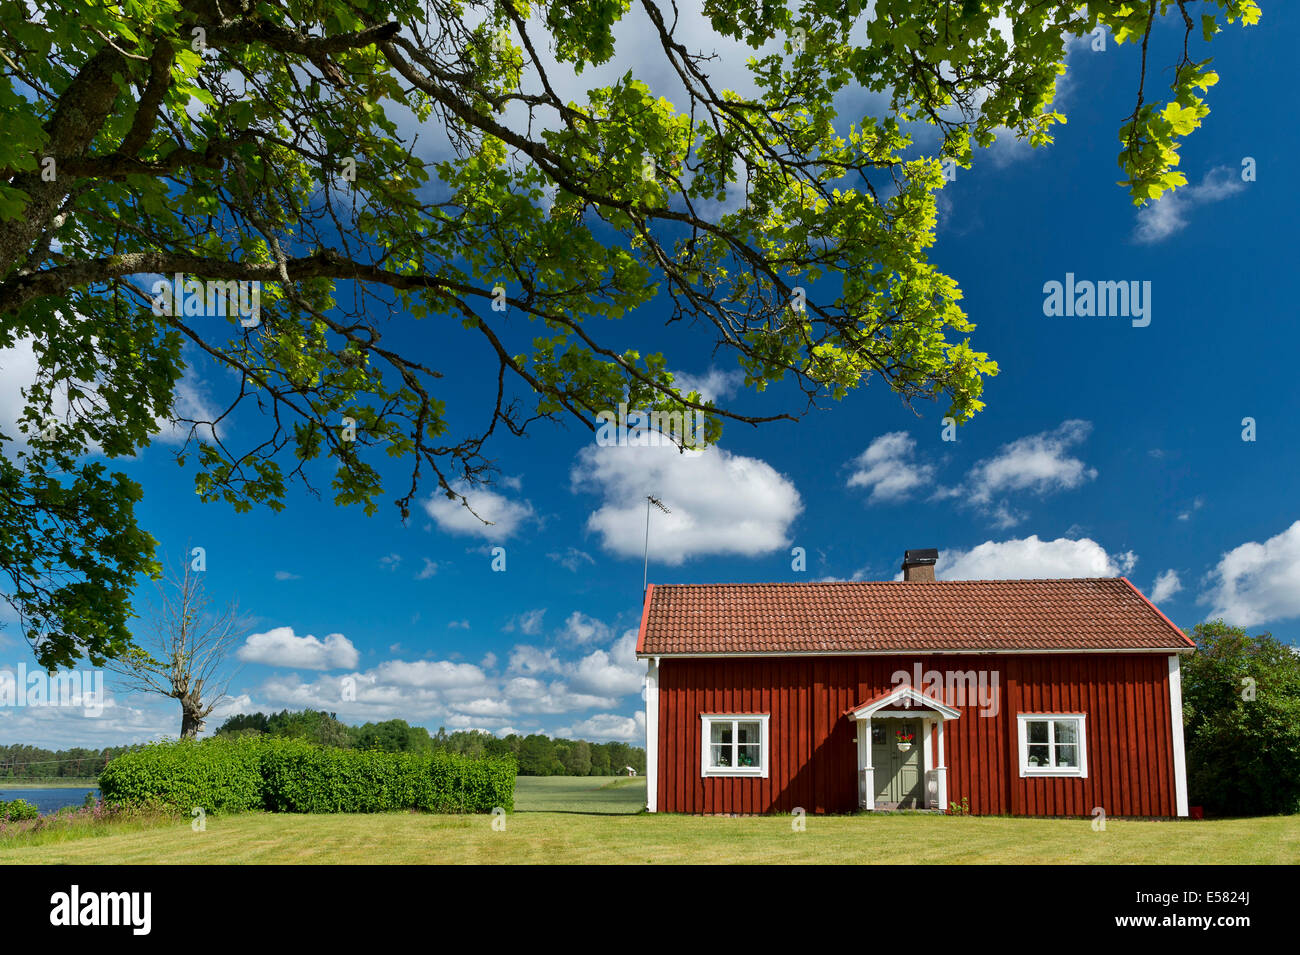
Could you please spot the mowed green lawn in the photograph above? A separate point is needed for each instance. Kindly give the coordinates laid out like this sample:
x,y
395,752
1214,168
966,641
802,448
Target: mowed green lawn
x,y
565,820
617,794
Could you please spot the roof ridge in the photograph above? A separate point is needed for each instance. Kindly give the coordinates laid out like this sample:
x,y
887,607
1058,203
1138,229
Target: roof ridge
x,y
839,583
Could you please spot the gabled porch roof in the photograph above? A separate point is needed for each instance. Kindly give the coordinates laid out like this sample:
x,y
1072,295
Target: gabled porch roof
x,y
905,693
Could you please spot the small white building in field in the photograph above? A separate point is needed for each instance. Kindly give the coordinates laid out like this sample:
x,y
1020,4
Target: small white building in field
x,y
629,770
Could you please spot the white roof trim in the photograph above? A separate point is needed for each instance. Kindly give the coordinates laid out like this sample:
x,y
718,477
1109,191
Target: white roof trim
x,y
906,692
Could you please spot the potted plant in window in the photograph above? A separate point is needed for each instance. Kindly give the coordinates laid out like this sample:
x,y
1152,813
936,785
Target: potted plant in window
x,y
904,740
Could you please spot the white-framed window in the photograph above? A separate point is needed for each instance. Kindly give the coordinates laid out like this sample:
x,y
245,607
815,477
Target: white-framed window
x,y
1053,744
733,744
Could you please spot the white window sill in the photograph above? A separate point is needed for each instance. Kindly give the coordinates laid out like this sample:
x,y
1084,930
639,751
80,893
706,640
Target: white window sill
x,y
1054,772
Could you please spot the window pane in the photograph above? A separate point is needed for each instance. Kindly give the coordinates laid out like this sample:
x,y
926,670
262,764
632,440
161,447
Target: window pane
x,y
1037,730
877,733
734,744
1067,754
1067,731
1038,755
720,754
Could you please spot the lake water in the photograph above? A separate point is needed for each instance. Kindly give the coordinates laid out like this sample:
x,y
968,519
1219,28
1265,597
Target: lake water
x,y
48,800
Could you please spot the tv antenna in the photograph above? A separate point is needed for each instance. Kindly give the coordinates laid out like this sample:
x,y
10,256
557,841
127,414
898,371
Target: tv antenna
x,y
645,572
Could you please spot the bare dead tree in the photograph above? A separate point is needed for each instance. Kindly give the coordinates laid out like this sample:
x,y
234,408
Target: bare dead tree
x,y
183,653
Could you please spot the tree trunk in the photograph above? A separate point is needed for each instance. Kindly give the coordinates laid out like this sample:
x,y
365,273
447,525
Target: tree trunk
x,y
81,112
191,718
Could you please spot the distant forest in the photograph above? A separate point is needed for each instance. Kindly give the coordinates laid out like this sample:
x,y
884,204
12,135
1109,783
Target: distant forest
x,y
536,754
23,762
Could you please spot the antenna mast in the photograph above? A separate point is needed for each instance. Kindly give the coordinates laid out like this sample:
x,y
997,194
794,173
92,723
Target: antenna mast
x,y
645,570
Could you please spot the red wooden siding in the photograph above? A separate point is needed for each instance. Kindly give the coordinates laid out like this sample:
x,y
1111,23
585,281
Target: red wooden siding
x,y
813,759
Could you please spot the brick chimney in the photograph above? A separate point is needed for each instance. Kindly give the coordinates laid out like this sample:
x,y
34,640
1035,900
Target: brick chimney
x,y
919,564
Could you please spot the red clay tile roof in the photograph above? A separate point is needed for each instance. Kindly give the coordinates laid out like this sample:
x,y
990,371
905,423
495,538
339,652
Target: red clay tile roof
x,y
1106,613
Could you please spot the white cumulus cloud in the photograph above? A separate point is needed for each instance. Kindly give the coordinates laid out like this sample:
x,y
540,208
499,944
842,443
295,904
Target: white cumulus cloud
x,y
1166,585
887,469
1254,583
721,503
430,674
1030,558
504,515
1038,463
712,385
581,629
613,673
279,647
608,726
531,660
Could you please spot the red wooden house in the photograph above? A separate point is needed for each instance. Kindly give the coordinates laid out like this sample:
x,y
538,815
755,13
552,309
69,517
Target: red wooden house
x,y
1027,697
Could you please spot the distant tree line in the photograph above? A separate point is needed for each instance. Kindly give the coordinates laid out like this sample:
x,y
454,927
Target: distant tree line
x,y
19,761
537,755
540,755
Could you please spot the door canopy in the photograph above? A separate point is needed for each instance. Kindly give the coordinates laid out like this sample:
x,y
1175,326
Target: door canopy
x,y
906,696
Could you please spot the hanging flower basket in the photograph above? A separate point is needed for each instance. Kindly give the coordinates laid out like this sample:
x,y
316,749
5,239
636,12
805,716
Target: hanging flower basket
x,y
904,740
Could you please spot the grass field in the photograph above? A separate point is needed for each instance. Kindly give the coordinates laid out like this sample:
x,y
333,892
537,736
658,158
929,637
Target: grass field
x,y
612,838
601,794
566,820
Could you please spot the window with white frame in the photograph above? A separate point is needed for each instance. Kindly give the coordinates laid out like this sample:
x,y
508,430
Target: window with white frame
x,y
1053,744
734,744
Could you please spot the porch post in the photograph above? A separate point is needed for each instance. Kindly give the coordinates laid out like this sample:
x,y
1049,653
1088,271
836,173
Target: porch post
x,y
927,763
941,769
868,771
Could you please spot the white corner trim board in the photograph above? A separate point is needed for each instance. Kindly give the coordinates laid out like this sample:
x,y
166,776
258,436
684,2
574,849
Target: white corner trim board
x,y
652,734
1176,721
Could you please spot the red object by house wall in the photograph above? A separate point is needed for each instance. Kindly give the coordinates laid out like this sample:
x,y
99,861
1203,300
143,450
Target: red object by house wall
x,y
813,757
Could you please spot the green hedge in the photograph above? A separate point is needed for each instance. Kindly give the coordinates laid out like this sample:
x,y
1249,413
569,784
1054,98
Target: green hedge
x,y
287,775
220,775
302,777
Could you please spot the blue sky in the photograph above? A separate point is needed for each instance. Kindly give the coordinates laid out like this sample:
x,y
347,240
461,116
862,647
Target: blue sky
x,y
1104,449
